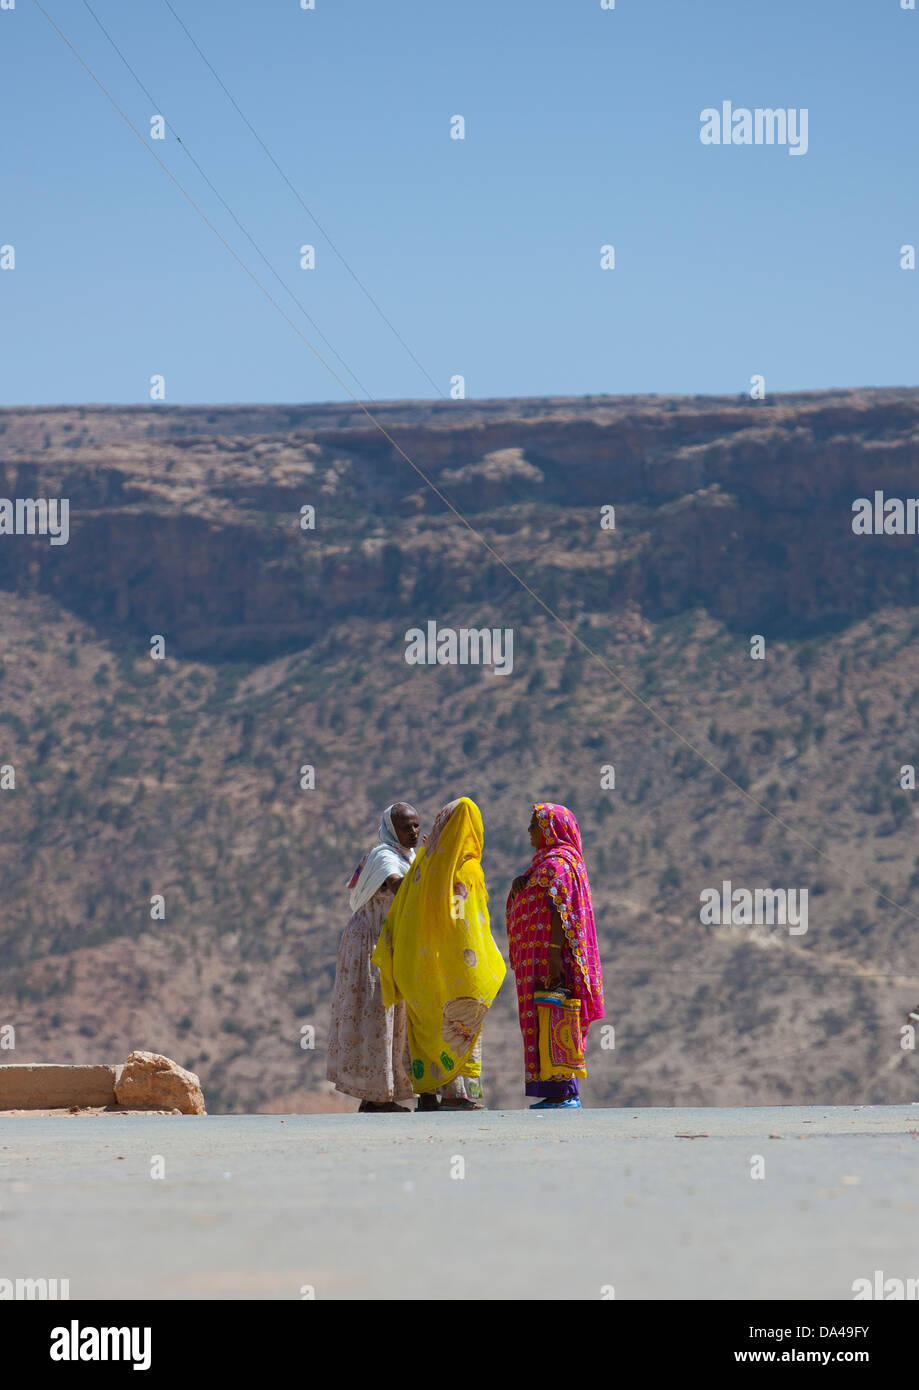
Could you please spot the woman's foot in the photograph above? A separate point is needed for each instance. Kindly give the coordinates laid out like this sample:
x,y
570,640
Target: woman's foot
x,y
427,1102
381,1107
459,1104
572,1103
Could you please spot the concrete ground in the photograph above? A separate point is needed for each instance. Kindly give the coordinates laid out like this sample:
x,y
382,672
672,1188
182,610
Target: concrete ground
x,y
497,1204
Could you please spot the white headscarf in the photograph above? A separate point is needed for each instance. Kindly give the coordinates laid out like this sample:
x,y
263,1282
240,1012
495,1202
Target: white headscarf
x,y
385,859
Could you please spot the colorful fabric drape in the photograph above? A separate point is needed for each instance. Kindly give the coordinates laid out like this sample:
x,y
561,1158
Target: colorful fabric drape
x,y
557,877
561,1047
436,950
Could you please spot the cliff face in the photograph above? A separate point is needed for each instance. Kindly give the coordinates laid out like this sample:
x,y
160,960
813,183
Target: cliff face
x,y
285,647
742,508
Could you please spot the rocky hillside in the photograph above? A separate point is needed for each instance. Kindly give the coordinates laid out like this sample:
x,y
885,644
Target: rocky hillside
x,y
285,647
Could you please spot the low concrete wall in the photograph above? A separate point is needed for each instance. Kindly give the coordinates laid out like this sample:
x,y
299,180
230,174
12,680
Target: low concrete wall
x,y
51,1086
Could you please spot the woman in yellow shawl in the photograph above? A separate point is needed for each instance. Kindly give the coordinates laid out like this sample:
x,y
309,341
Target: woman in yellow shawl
x,y
436,952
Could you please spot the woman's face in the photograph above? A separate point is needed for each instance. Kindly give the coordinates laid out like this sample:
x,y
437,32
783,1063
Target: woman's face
x,y
406,824
535,835
440,821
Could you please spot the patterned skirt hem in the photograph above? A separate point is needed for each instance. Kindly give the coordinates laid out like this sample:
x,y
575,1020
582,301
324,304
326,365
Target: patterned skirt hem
x,y
359,1093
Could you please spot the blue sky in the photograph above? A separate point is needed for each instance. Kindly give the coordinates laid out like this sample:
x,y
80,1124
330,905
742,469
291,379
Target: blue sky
x,y
582,128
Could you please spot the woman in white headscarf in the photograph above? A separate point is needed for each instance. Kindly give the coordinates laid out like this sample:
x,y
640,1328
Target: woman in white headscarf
x,y
368,1048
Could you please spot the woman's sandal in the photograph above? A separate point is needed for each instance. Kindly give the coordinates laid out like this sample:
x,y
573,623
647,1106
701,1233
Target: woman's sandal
x,y
461,1105
427,1102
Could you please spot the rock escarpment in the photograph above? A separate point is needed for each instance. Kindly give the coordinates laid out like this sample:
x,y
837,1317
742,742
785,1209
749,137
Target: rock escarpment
x,y
188,518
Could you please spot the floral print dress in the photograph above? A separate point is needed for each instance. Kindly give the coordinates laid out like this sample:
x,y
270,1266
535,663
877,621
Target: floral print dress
x,y
368,1053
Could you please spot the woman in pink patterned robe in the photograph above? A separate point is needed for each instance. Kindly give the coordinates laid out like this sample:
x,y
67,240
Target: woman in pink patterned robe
x,y
553,940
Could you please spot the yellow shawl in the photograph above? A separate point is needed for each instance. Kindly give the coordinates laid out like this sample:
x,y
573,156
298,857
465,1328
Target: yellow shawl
x,y
436,951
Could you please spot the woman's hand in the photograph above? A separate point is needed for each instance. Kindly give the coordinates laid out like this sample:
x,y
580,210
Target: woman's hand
x,y
556,978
